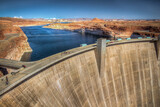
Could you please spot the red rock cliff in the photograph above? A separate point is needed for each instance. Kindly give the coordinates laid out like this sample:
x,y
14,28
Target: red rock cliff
x,y
13,42
112,28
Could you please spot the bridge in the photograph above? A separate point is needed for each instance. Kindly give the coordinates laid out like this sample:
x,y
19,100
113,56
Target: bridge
x,y
119,73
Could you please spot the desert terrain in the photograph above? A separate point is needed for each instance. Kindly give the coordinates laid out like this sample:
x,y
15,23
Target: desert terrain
x,y
111,28
13,42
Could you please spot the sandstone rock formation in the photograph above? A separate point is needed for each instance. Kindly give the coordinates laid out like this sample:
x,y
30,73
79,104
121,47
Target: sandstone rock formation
x,y
22,22
110,28
13,42
97,20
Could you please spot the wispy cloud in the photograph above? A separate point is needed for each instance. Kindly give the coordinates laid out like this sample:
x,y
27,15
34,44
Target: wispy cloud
x,y
18,17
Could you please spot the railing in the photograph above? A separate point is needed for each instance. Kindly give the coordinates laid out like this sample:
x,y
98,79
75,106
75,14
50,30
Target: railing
x,y
14,64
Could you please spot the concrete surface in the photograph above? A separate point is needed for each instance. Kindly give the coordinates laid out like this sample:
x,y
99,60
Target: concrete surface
x,y
131,79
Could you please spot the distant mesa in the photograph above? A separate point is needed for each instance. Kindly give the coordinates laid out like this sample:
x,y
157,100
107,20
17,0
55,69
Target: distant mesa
x,y
97,20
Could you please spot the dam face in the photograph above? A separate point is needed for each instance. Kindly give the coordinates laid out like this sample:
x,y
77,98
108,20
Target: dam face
x,y
131,79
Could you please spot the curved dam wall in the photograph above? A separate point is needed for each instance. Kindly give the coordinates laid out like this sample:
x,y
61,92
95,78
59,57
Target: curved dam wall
x,y
131,79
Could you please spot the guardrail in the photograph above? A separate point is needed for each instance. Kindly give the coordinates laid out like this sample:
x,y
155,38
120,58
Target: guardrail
x,y
14,64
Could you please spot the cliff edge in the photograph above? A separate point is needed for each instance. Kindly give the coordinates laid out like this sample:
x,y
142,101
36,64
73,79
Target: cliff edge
x,y
13,41
117,28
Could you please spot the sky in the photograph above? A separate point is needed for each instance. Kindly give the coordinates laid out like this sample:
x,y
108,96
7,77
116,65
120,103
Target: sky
x,y
108,9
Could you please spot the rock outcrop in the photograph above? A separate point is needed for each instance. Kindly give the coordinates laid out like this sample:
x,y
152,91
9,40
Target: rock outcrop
x,y
110,28
22,22
97,20
13,41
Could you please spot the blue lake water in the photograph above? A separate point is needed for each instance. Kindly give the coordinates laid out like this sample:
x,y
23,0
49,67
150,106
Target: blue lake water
x,y
134,36
45,42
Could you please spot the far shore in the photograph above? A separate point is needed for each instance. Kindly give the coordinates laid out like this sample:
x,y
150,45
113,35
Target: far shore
x,y
29,25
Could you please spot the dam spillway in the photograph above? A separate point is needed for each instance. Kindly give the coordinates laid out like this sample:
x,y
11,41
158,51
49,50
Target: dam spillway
x,y
131,79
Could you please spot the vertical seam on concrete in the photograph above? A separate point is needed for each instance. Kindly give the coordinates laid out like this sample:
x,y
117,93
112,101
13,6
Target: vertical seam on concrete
x,y
56,98
102,91
84,90
19,104
108,92
114,86
57,88
75,91
139,74
123,74
83,84
126,87
107,83
92,88
68,72
157,48
144,78
151,76
100,82
132,75
156,70
123,79
157,51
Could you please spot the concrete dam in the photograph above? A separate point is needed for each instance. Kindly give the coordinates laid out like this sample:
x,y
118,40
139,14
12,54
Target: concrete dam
x,y
117,74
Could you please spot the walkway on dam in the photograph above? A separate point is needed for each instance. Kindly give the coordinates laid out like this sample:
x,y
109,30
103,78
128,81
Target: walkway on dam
x,y
18,64
32,68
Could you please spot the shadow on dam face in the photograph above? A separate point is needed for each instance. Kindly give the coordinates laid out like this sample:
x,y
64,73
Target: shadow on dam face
x,y
131,79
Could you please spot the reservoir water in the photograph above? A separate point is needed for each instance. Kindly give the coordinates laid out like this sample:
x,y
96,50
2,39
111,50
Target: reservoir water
x,y
45,42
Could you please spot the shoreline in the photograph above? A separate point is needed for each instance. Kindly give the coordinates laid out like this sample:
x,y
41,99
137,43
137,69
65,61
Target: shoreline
x,y
30,25
86,31
118,29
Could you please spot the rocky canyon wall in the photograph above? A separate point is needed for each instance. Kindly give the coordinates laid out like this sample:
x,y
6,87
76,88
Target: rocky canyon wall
x,y
13,41
121,29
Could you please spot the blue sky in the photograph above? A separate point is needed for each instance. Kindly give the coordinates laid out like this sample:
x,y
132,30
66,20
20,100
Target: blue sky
x,y
111,9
